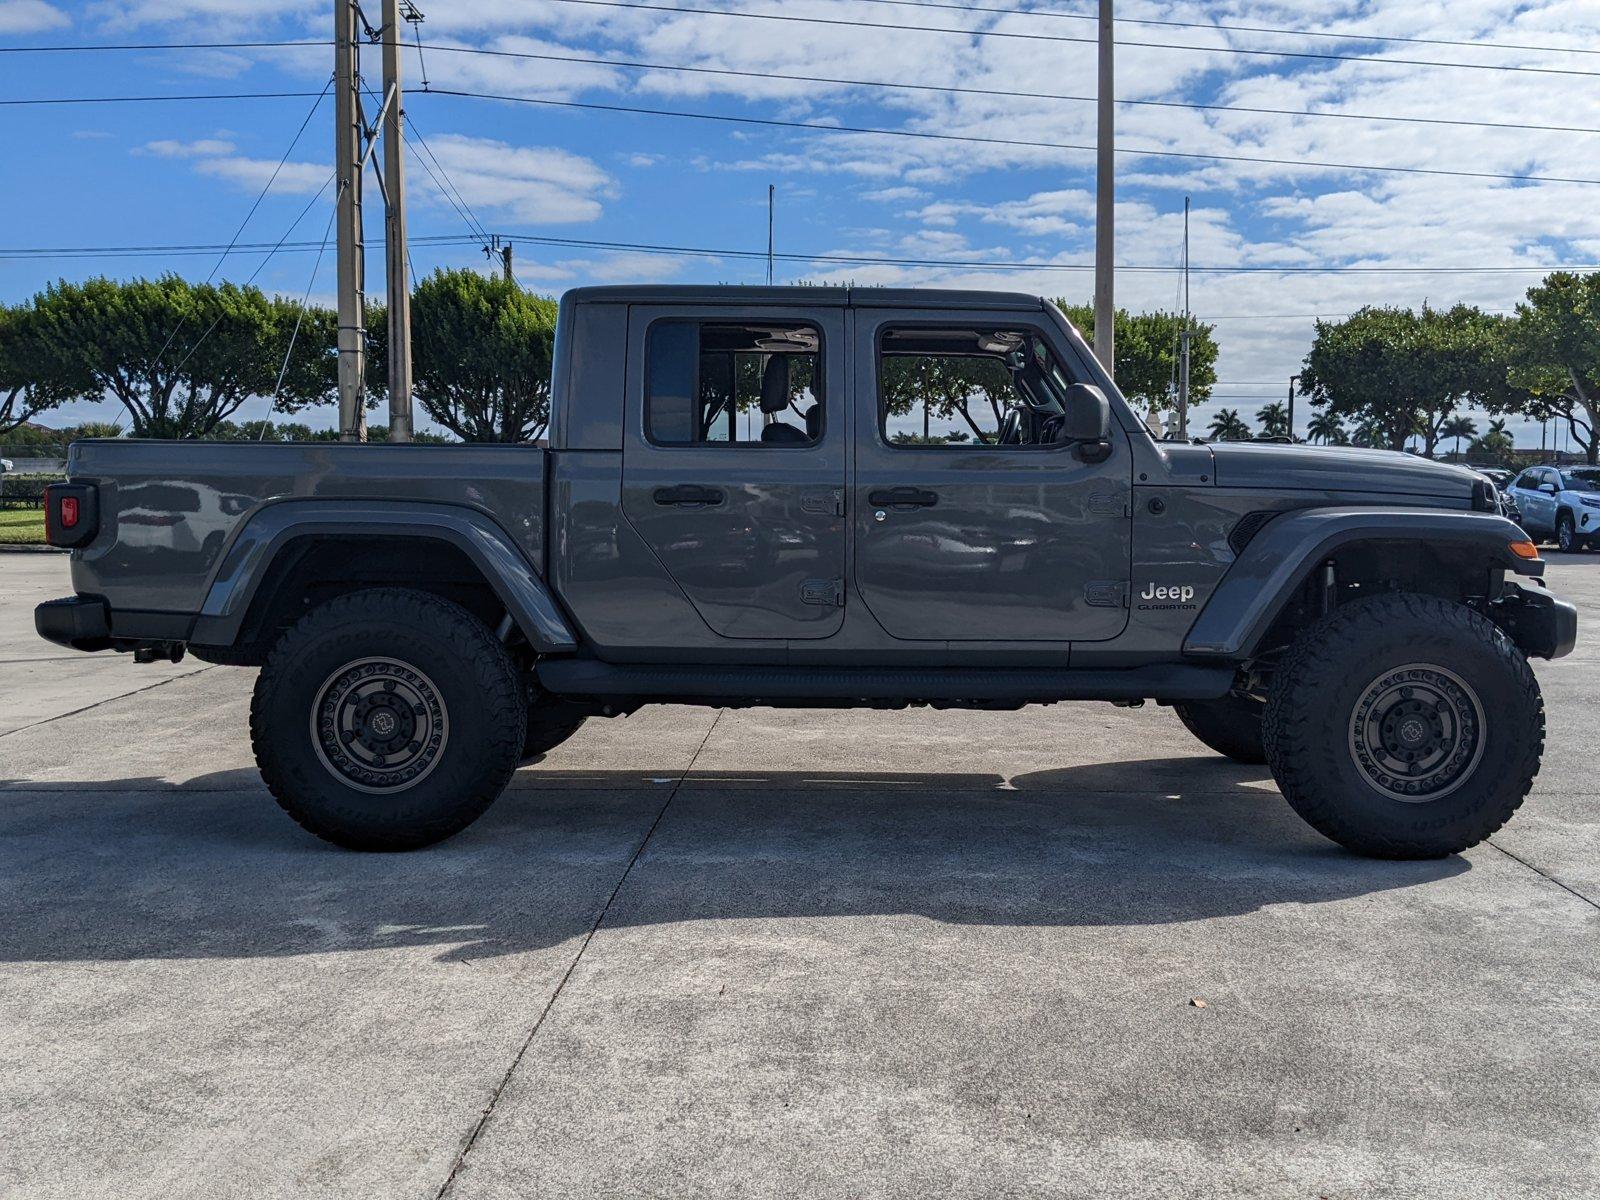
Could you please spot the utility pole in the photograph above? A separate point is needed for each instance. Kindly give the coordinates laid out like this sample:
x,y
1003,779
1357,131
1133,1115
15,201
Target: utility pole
x,y
1184,337
1293,380
348,166
1105,307
394,187
505,263
771,201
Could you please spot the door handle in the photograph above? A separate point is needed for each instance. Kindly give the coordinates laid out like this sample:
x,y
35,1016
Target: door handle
x,y
902,498
689,495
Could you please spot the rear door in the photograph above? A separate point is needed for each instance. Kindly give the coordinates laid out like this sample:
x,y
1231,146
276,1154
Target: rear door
x,y
972,522
733,467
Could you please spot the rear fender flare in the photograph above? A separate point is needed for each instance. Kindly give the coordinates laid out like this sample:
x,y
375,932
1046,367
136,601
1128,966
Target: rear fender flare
x,y
1282,556
249,561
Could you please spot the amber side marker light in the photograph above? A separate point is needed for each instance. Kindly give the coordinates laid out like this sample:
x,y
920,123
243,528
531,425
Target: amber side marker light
x,y
1524,549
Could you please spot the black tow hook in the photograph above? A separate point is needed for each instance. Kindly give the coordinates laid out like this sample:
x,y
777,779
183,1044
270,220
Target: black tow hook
x,y
149,652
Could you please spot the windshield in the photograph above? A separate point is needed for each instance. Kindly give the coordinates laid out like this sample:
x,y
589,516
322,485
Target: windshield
x,y
1581,480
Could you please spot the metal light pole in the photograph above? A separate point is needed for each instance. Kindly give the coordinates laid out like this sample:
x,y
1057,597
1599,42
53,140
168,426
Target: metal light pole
x,y
1105,307
348,164
1293,379
394,186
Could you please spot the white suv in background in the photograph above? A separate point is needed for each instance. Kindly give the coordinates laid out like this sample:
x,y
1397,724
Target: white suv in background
x,y
1562,504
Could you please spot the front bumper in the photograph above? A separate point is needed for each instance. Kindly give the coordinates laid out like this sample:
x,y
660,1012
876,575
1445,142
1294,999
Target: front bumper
x,y
78,622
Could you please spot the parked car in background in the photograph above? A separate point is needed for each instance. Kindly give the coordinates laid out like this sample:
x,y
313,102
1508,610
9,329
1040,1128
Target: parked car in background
x,y
1502,481
1559,505
1499,476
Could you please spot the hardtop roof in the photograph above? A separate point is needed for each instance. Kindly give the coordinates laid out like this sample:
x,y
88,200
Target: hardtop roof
x,y
828,297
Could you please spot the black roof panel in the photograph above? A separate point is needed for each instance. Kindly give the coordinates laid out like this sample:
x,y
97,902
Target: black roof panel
x,y
860,297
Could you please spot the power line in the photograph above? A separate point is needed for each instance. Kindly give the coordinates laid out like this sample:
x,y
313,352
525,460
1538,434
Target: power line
x,y
49,252
50,100
1306,33
979,33
119,46
1060,37
820,127
947,89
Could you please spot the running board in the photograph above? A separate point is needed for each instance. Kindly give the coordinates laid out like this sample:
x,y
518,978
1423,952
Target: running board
x,y
755,684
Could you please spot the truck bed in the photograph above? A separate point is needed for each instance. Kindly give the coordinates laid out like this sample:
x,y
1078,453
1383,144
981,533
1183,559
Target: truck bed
x,y
168,510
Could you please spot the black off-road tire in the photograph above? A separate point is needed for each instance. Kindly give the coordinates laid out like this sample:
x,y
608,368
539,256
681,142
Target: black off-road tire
x,y
1339,716
550,722
1231,726
387,719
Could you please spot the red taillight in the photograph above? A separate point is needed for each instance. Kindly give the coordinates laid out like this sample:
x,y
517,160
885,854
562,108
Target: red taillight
x,y
69,512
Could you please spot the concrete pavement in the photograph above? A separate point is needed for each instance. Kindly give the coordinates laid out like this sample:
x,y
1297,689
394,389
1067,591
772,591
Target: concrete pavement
x,y
769,953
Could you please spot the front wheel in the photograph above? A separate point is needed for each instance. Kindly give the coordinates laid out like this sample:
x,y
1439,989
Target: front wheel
x,y
1404,726
1567,534
387,719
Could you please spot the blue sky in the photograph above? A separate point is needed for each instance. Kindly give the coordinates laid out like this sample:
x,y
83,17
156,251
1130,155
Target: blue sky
x,y
187,173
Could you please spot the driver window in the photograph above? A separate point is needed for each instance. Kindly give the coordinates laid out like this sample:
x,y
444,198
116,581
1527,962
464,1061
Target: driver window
x,y
996,388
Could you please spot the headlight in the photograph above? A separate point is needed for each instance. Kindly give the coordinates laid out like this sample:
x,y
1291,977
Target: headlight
x,y
1589,501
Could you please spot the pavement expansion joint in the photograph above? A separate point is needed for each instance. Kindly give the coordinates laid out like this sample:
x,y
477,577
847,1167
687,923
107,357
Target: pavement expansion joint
x,y
605,909
1543,874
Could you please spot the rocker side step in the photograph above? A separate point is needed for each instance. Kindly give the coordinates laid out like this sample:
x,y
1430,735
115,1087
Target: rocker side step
x,y
588,677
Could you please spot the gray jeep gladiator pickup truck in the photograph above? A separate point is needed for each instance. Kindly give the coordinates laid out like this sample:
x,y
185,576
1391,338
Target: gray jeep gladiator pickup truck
x,y
825,497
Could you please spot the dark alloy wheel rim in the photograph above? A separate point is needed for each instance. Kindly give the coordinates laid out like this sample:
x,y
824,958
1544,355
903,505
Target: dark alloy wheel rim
x,y
379,725
1417,732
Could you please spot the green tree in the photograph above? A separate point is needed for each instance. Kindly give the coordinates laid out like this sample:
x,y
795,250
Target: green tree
x,y
1229,426
1400,372
1274,419
1554,364
1495,446
1147,350
481,353
1327,429
181,357
946,386
31,381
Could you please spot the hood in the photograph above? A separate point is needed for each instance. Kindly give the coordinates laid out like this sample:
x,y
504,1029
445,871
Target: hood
x,y
1337,468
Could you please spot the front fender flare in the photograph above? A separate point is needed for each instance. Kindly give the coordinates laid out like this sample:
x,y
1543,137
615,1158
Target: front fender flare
x,y
1280,558
256,545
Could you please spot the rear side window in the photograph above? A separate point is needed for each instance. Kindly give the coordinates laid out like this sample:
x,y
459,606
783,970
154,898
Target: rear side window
x,y
713,383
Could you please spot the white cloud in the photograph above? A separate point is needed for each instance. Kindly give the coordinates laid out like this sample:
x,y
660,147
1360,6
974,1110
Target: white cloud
x,y
203,147
532,185
251,174
30,16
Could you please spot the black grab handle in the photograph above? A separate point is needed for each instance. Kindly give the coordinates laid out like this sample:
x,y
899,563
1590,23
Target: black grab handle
x,y
902,497
688,495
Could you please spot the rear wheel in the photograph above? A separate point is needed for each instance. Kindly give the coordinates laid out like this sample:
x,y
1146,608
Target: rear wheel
x,y
387,720
1230,726
1404,726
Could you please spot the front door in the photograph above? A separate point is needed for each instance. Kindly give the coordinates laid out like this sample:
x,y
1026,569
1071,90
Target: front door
x,y
974,521
733,462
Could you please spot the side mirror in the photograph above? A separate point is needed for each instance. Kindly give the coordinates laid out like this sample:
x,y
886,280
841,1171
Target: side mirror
x,y
1088,414
1549,489
1086,423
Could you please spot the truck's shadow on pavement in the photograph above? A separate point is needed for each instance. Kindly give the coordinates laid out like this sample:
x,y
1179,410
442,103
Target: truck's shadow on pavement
x,y
138,869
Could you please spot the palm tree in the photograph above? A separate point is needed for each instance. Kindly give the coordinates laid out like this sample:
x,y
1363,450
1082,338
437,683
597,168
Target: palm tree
x,y
1369,433
1326,428
1228,426
1458,428
1274,419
